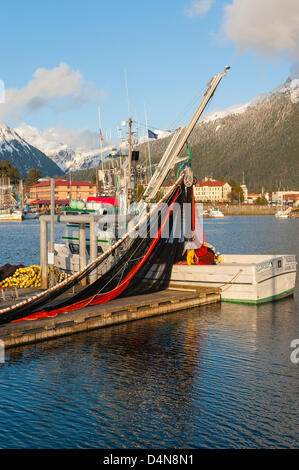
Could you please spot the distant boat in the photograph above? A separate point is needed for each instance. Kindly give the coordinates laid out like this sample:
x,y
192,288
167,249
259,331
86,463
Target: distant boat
x,y
11,215
283,214
30,214
215,212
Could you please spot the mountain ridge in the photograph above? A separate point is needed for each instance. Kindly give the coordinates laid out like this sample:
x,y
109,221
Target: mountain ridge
x,y
259,138
23,155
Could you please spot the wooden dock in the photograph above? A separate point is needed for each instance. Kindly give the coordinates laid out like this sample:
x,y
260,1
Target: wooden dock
x,y
99,316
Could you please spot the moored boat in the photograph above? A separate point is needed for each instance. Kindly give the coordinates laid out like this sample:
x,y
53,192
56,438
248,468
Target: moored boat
x,y
11,215
283,214
215,212
242,278
30,215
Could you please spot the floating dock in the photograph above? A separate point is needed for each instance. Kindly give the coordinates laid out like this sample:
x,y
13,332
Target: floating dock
x,y
116,311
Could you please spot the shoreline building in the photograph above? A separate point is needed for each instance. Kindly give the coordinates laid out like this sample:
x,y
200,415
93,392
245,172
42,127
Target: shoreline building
x,y
210,190
244,189
65,191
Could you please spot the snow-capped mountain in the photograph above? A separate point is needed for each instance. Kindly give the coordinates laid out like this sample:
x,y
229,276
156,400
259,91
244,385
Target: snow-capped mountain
x,y
259,138
68,149
80,149
75,150
24,155
290,86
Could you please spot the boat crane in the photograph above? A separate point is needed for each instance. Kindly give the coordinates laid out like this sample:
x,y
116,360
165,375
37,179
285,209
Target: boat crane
x,y
171,154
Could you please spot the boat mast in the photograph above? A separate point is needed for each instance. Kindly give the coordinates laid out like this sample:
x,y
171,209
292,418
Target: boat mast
x,y
171,155
101,142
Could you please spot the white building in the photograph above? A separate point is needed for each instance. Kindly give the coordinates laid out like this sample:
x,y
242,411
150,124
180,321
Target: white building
x,y
279,197
212,191
245,192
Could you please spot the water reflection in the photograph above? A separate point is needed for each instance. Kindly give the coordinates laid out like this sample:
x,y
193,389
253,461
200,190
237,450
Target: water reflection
x,y
218,377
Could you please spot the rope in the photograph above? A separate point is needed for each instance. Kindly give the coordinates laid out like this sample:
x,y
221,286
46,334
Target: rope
x,y
233,278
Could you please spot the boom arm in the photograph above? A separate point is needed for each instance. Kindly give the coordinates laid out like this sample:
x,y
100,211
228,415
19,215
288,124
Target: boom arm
x,y
170,157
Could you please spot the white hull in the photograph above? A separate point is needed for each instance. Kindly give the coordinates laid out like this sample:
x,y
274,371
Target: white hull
x,y
215,213
242,278
216,216
283,214
13,217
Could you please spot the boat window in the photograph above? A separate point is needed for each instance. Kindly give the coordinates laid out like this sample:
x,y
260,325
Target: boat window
x,y
100,250
74,247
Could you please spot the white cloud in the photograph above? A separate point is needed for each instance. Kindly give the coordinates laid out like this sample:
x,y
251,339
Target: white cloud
x,y
59,88
57,138
198,8
268,27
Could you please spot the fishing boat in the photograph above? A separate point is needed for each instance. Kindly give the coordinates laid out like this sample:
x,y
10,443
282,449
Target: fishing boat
x,y
139,261
240,277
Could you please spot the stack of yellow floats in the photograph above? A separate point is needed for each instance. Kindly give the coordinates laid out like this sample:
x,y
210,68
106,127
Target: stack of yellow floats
x,y
23,278
26,277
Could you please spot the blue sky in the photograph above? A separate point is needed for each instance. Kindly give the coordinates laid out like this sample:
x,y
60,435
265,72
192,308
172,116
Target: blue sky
x,y
168,48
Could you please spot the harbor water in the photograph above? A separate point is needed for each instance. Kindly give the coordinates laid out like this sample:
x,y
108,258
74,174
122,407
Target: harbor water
x,y
220,376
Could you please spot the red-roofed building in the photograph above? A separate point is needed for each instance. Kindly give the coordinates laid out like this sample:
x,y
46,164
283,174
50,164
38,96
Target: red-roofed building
x,y
211,190
65,191
252,197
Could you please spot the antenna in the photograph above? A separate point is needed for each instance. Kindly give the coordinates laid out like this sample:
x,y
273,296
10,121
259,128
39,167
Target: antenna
x,y
148,144
127,92
101,142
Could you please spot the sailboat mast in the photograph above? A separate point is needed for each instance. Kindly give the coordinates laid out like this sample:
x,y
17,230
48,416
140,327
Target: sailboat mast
x,y
101,142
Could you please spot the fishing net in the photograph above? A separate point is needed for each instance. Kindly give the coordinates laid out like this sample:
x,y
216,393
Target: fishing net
x,y
140,262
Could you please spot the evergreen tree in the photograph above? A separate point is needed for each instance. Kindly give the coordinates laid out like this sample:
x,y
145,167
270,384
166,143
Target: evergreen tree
x,y
32,177
236,192
7,170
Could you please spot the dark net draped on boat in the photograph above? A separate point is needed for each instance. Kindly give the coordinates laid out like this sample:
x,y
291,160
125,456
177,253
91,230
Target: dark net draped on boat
x,y
136,265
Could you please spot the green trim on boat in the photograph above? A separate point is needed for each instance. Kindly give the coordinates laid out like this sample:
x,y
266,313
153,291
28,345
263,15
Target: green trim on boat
x,y
259,301
87,239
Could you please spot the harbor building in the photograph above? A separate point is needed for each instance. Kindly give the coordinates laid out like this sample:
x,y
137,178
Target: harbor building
x,y
65,191
283,197
211,190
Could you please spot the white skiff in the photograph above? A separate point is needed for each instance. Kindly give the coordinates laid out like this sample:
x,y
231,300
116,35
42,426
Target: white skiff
x,y
242,278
